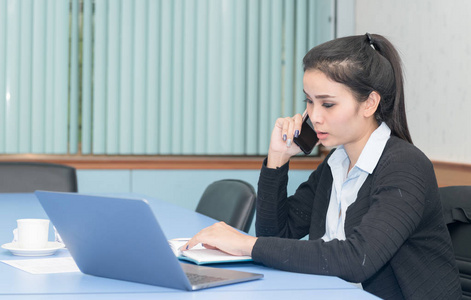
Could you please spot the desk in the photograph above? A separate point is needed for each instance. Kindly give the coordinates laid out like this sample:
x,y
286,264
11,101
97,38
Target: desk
x,y
175,222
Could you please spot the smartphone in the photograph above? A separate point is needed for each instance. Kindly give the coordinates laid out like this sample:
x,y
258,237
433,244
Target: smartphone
x,y
307,139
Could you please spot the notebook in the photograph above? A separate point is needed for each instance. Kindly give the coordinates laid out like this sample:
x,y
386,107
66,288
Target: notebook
x,y
202,256
120,238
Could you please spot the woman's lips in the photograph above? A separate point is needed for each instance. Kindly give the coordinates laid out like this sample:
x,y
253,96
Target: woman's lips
x,y
322,135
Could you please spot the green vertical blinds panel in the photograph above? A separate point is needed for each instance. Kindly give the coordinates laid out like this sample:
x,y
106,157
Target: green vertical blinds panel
x,y
74,78
133,77
34,76
86,77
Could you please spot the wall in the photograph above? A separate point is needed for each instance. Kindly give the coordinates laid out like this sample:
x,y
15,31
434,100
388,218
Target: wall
x,y
435,43
181,187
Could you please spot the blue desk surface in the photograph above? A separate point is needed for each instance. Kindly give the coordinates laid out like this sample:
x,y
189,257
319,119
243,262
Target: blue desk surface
x,y
176,222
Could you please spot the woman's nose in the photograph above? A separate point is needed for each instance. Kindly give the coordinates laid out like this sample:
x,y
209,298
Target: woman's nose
x,y
315,115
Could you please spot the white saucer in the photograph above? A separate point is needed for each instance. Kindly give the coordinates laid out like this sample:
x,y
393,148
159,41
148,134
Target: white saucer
x,y
49,250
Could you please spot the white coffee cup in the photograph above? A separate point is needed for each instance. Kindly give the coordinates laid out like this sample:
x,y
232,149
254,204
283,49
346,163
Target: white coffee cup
x,y
33,233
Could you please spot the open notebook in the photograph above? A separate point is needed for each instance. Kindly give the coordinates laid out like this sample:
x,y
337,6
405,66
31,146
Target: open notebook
x,y
200,255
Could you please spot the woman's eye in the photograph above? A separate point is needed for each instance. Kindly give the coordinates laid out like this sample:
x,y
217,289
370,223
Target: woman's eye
x,y
307,100
328,105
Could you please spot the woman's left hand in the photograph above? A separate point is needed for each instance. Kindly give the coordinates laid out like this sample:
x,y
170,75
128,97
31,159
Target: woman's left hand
x,y
223,237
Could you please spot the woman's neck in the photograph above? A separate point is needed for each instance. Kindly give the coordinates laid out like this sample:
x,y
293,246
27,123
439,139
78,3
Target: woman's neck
x,y
354,150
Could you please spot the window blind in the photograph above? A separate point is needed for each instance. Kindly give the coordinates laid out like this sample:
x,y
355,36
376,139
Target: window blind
x,y
146,77
34,71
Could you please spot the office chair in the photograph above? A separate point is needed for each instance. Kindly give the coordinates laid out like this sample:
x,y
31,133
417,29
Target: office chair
x,y
456,202
231,201
26,177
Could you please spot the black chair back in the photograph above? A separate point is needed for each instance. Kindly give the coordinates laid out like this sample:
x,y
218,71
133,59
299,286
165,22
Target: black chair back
x,y
26,177
231,201
456,202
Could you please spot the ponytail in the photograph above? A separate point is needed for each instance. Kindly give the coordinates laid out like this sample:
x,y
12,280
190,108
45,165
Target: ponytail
x,y
395,110
366,63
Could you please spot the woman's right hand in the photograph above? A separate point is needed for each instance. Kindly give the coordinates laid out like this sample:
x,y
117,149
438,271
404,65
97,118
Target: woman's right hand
x,y
281,143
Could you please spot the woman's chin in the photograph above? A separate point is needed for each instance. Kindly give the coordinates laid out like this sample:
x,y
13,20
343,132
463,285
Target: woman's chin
x,y
327,145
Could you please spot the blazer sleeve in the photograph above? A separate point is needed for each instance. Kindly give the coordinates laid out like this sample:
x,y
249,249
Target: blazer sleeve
x,y
397,205
279,215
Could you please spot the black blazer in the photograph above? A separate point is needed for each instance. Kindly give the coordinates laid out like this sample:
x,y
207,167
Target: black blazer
x,y
397,243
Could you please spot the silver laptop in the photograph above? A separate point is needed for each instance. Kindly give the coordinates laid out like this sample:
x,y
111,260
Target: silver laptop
x,y
121,239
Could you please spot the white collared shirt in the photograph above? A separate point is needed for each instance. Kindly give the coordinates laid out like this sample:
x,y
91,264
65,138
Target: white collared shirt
x,y
345,185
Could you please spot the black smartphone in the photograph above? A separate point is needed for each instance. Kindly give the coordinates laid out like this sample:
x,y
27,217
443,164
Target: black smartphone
x,y
307,139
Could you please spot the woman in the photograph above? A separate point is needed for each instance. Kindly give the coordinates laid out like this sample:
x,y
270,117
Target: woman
x,y
372,208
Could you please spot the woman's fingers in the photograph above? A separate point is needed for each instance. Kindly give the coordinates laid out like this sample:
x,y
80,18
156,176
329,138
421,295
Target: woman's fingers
x,y
203,236
223,237
291,128
294,129
282,147
284,131
298,123
290,132
209,246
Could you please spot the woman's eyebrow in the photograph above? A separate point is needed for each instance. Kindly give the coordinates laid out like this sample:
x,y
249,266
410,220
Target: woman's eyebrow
x,y
324,96
319,96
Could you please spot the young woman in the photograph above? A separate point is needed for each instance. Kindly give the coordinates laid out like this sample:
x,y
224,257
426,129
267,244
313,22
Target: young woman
x,y
371,209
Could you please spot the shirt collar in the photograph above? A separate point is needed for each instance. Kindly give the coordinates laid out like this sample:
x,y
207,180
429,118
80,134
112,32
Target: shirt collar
x,y
373,149
370,154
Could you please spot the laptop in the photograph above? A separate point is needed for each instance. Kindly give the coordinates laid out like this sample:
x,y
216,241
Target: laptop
x,y
120,238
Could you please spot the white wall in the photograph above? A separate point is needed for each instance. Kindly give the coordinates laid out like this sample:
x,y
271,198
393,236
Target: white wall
x,y
434,39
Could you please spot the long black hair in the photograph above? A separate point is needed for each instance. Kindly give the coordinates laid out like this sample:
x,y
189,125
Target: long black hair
x,y
366,63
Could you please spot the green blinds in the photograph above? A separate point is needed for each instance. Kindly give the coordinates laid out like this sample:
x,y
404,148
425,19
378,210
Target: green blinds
x,y
178,77
34,71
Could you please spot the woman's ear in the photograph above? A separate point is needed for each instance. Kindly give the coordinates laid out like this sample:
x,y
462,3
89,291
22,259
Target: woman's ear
x,y
371,104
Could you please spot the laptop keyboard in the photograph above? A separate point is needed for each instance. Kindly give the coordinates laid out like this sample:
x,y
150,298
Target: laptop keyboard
x,y
196,279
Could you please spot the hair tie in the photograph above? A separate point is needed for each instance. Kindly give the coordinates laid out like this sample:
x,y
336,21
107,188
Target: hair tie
x,y
371,40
